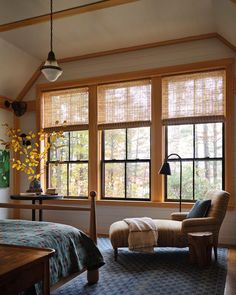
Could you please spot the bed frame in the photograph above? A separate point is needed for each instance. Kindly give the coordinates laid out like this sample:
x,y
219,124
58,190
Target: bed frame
x,y
92,276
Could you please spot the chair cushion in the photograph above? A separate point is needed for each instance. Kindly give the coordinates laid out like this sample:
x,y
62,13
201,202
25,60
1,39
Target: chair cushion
x,y
199,209
169,234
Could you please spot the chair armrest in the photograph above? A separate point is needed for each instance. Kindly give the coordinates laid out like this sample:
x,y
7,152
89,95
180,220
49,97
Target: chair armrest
x,y
179,216
199,224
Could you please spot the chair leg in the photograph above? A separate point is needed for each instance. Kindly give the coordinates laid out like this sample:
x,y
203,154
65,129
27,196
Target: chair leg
x,y
215,252
115,253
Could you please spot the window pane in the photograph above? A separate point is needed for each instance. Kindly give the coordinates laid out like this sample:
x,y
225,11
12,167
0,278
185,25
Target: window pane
x,y
180,140
208,138
115,144
139,143
60,152
78,181
114,180
79,145
138,180
58,178
173,181
208,175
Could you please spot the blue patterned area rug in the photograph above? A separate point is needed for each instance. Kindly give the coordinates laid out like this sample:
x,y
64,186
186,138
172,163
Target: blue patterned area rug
x,y
165,272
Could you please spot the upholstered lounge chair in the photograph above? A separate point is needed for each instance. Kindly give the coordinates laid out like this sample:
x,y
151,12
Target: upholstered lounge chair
x,y
173,233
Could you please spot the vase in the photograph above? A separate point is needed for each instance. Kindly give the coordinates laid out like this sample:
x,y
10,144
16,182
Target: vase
x,y
35,186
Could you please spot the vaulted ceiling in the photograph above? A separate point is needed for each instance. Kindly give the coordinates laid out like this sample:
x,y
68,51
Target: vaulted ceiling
x,y
133,23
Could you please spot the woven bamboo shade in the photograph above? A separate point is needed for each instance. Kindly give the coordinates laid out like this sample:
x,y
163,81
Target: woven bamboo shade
x,y
65,108
124,104
192,98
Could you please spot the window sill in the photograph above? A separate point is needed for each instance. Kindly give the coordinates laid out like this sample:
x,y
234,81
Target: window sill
x,y
121,203
175,205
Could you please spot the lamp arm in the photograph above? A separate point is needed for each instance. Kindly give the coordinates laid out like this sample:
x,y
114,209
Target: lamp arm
x,y
180,178
174,154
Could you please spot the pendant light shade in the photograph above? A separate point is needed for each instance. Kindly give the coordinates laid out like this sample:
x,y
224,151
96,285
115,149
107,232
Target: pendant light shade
x,y
51,69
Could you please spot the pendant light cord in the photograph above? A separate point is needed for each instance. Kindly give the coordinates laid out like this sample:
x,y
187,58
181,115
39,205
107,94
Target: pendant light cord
x,y
51,26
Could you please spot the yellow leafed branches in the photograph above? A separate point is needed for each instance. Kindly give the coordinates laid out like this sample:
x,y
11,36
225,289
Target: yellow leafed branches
x,y
27,149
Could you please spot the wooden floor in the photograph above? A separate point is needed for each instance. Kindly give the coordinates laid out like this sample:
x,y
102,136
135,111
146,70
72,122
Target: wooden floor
x,y
230,286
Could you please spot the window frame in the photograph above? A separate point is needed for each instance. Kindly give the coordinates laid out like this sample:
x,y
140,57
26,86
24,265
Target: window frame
x,y
125,161
157,143
192,160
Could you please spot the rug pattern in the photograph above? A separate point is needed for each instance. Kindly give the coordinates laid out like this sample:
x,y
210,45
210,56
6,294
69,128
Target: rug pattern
x,y
165,272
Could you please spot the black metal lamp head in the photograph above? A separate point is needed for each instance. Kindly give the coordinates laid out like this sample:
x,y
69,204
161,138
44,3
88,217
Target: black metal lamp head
x,y
165,169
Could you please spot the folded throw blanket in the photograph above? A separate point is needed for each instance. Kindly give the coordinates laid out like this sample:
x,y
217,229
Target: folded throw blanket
x,y
143,234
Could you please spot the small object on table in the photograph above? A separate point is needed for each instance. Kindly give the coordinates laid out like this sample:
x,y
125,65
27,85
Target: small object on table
x,y
34,198
200,248
35,186
51,191
22,267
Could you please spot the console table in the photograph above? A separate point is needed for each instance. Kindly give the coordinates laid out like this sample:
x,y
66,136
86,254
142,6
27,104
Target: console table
x,y
22,267
33,199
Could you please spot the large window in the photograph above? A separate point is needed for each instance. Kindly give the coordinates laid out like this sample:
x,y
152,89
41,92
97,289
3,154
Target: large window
x,y
67,165
201,149
126,163
124,116
193,109
117,135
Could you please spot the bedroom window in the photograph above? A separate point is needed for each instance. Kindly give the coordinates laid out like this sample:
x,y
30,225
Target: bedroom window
x,y
201,149
193,109
124,116
126,163
67,165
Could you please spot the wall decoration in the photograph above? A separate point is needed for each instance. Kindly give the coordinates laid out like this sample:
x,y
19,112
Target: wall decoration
x,y
4,168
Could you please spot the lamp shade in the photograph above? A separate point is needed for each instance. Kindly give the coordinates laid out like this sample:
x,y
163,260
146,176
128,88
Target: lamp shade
x,y
165,169
51,69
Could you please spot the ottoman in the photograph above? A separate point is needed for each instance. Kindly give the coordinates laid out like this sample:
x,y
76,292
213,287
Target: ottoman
x,y
169,234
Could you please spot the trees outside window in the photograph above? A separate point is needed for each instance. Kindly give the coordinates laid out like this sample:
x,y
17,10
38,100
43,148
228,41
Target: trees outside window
x,y
126,163
201,149
68,164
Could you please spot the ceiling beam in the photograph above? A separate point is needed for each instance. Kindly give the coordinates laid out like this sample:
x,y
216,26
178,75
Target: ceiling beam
x,y
226,42
63,13
37,73
29,83
138,47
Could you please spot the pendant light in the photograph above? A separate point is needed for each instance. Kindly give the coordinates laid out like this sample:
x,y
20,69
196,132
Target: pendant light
x,y
51,69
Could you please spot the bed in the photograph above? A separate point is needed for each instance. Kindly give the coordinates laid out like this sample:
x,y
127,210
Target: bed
x,y
75,252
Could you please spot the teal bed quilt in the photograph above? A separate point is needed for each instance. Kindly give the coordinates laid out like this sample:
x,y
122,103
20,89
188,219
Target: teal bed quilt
x,y
74,250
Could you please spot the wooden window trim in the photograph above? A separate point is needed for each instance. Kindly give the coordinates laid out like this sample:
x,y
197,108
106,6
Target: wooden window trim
x,y
155,75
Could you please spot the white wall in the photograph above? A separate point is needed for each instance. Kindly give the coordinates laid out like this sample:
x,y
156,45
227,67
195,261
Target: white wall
x,y
16,66
5,117
144,59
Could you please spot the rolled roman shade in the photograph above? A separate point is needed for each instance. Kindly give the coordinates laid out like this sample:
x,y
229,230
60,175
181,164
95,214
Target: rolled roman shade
x,y
193,98
126,104
67,108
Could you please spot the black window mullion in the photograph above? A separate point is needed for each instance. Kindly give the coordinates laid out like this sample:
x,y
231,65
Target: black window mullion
x,y
223,156
194,157
103,165
68,169
166,154
126,158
